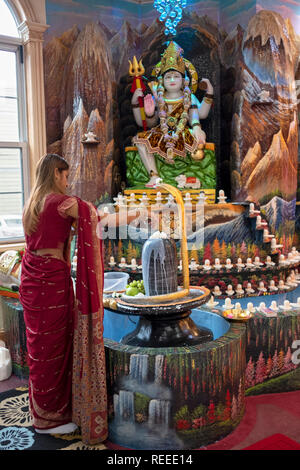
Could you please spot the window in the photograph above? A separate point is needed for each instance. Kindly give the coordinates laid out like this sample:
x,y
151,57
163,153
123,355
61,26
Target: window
x,y
13,141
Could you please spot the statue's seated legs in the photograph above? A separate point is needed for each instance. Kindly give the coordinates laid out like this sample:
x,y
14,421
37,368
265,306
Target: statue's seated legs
x,y
149,163
143,168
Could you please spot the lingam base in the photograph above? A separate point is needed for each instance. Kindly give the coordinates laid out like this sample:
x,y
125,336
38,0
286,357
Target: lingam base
x,y
175,330
167,323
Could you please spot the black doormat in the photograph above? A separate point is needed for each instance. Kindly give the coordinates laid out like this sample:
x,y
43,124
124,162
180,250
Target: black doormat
x,y
17,433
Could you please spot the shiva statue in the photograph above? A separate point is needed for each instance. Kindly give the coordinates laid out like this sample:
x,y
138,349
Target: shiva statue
x,y
172,113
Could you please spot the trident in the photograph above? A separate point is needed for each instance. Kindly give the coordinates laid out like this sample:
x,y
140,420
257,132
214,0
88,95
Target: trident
x,y
136,70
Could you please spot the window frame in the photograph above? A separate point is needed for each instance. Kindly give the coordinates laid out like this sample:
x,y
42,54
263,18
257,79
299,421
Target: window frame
x,y
12,44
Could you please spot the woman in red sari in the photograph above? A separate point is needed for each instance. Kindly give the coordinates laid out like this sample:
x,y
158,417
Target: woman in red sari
x,y
47,297
67,383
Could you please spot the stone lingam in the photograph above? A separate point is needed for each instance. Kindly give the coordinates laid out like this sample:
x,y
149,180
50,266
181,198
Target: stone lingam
x,y
164,312
162,377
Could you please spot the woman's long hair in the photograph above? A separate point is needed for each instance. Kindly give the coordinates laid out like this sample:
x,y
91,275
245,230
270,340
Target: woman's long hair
x,y
44,184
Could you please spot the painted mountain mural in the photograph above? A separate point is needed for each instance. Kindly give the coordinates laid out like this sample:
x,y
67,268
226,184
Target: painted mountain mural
x,y
79,99
253,123
279,212
264,149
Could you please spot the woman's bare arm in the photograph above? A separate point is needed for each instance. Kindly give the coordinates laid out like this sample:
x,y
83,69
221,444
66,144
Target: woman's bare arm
x,y
123,217
120,218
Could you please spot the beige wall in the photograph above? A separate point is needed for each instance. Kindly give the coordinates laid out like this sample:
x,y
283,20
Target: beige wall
x,y
31,18
32,25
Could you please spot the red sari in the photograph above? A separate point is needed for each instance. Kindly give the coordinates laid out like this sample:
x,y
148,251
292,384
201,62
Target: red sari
x,y
89,374
65,335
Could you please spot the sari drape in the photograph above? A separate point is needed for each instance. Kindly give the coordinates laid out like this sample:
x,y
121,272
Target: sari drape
x,y
46,293
67,379
89,373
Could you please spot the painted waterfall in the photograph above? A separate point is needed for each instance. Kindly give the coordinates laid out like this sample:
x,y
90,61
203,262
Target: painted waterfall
x,y
139,386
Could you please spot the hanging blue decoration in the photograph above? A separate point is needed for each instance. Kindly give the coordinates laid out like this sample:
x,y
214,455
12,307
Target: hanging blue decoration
x,y
170,13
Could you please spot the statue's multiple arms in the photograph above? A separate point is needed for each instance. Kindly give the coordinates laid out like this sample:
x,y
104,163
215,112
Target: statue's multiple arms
x,y
149,107
204,107
194,121
200,111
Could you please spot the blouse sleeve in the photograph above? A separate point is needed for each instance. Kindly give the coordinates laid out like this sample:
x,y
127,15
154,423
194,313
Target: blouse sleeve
x,y
65,205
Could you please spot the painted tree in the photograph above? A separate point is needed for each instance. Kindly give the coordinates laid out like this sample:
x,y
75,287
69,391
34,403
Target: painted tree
x,y
233,251
131,252
194,254
281,359
234,408
138,252
295,240
290,242
284,243
211,417
227,411
223,252
288,360
207,253
120,250
220,409
240,400
251,250
256,250
199,412
228,250
243,249
200,254
249,374
269,366
260,369
216,248
275,366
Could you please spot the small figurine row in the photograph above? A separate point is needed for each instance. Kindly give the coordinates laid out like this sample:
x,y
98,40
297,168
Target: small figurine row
x,y
293,258
269,311
291,282
133,265
122,201
207,266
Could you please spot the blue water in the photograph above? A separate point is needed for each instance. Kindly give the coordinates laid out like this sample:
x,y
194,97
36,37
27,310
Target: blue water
x,y
116,326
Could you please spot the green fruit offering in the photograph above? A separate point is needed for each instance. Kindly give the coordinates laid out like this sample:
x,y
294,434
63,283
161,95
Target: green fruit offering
x,y
135,287
132,290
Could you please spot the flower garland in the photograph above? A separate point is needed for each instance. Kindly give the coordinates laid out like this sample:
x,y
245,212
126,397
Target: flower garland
x,y
163,116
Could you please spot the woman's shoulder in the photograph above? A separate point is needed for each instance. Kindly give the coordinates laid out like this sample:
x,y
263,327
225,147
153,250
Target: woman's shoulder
x,y
58,198
59,201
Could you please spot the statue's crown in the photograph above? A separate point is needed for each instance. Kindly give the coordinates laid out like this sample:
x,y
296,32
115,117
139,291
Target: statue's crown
x,y
172,59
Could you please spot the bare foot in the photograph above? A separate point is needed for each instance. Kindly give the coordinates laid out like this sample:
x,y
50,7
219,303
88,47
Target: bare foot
x,y
63,429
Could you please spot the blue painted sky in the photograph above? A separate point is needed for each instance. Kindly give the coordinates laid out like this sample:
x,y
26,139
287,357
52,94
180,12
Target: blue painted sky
x,y
63,14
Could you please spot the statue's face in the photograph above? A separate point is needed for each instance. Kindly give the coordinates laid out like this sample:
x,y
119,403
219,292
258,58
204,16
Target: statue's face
x,y
173,81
